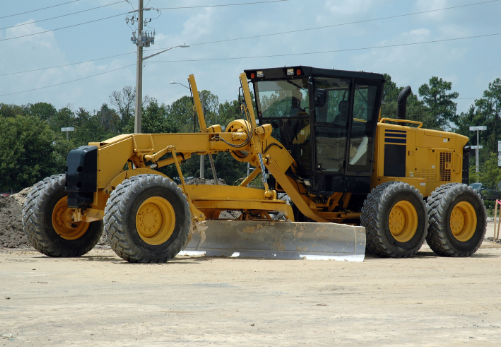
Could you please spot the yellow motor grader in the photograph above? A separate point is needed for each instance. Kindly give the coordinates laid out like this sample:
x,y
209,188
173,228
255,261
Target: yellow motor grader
x,y
354,181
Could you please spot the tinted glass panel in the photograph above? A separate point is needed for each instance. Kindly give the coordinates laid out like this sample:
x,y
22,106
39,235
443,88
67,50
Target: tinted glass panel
x,y
294,134
280,99
331,123
361,140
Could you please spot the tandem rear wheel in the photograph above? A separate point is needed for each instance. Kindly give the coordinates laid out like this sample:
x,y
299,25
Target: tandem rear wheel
x,y
147,219
457,220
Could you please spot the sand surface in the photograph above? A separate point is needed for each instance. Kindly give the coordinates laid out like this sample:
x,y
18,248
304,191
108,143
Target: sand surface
x,y
100,300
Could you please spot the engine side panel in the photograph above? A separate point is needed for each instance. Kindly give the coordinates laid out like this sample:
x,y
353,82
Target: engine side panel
x,y
423,158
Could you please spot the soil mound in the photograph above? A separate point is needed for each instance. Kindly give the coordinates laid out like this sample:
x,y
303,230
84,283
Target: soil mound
x,y
21,196
207,181
11,227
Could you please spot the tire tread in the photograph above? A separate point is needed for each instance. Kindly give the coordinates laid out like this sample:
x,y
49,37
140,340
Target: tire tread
x,y
115,219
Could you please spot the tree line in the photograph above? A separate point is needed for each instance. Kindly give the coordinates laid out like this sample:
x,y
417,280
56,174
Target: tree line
x,y
33,147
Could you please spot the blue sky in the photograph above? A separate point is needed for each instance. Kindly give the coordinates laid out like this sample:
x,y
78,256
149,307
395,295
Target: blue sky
x,y
469,64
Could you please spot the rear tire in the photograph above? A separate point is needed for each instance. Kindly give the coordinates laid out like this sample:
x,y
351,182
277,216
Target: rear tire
x,y
457,220
147,219
46,205
395,218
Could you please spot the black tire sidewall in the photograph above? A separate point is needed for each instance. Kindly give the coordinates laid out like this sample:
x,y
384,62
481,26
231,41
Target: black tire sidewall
x,y
478,236
78,246
179,210
417,240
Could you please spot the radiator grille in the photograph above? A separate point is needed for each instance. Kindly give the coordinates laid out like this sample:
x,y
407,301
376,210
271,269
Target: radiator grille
x,y
445,166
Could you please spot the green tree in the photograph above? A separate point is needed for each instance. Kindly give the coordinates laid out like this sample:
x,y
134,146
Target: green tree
x,y
87,128
109,120
182,114
440,103
416,109
155,120
489,174
10,110
27,152
42,110
64,117
124,102
229,111
485,111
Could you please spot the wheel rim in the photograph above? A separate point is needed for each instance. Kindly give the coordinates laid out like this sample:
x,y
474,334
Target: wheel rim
x,y
463,221
155,220
63,223
403,221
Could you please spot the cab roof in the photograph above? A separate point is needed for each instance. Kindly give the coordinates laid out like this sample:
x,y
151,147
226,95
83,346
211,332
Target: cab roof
x,y
306,71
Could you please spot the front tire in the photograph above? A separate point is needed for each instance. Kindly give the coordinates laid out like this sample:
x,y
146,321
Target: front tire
x,y
458,220
394,216
147,219
47,221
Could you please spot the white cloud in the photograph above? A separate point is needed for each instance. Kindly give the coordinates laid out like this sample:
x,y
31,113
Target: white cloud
x,y
40,51
407,64
348,7
413,64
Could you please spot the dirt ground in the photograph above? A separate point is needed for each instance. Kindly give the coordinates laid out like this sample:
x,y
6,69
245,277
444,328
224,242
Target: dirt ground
x,y
99,300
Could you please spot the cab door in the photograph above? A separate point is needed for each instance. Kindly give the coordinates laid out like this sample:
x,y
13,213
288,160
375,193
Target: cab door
x,y
345,119
365,115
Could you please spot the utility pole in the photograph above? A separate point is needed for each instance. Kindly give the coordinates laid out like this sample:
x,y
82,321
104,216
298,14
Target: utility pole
x,y
202,157
141,40
68,129
139,70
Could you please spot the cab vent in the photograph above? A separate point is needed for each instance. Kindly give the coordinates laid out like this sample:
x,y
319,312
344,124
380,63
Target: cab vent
x,y
445,166
427,174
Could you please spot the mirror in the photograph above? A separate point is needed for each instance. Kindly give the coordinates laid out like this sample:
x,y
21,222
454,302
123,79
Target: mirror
x,y
320,97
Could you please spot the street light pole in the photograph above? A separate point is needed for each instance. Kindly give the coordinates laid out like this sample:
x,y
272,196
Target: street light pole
x,y
477,147
68,129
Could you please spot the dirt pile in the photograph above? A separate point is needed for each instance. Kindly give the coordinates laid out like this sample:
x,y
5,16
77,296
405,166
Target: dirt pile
x,y
11,227
492,239
207,181
21,196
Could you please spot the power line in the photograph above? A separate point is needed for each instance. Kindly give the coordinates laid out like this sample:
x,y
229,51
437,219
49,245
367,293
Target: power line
x,y
268,56
64,15
332,51
40,9
348,23
97,20
64,65
66,27
78,79
249,37
279,55
222,5
264,35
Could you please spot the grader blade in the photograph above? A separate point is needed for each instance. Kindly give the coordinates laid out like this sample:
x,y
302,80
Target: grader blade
x,y
279,240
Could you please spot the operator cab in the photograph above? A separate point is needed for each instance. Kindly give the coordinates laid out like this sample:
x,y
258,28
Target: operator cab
x,y
326,119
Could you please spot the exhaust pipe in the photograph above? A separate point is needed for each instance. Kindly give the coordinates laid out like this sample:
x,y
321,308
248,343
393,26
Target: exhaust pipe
x,y
402,102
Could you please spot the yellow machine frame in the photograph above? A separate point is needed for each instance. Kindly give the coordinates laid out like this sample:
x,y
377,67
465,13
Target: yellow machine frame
x,y
433,158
